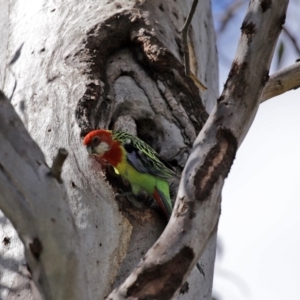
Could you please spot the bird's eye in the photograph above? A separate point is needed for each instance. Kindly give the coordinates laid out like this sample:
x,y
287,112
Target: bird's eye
x,y
96,140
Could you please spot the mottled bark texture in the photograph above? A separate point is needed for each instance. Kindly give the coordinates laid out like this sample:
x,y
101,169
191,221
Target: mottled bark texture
x,y
112,64
35,203
196,214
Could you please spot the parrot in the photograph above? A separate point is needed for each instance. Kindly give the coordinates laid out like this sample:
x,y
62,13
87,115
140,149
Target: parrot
x,y
137,162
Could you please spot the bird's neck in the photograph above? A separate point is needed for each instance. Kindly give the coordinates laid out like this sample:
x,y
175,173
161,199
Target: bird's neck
x,y
115,155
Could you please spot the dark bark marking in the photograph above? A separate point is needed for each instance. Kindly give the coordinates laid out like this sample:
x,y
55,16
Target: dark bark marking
x,y
6,241
16,55
179,45
29,270
184,207
185,288
161,7
175,14
237,70
282,20
161,281
51,79
217,164
248,29
220,99
36,248
265,5
265,78
2,96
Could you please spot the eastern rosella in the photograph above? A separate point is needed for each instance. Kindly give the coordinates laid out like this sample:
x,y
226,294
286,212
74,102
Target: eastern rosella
x,y
136,161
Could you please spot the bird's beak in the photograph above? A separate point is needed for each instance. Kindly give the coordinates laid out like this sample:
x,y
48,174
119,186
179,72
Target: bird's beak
x,y
90,150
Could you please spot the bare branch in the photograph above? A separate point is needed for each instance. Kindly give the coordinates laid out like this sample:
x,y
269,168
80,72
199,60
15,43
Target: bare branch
x,y
282,81
186,46
184,32
37,207
196,213
189,17
58,162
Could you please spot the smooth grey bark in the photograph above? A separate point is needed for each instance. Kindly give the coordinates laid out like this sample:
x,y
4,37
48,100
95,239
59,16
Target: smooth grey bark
x,y
69,57
36,205
282,81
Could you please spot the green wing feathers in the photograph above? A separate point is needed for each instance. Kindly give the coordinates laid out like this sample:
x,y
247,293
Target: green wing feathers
x,y
155,175
144,158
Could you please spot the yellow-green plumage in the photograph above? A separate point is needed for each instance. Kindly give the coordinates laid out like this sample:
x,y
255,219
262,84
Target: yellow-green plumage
x,y
136,161
143,167
143,181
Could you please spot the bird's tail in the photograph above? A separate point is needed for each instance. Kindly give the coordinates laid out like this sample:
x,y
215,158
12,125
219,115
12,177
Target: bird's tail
x,y
163,202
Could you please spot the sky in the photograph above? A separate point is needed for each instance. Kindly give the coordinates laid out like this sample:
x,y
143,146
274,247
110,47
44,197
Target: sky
x,y
259,224
259,241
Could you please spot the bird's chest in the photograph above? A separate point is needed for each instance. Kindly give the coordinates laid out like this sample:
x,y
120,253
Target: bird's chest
x,y
125,170
138,180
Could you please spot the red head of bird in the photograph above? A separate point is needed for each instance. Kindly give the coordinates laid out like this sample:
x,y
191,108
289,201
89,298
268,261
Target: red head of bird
x,y
101,144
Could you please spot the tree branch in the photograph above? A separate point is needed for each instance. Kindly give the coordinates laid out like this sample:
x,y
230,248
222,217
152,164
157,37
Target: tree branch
x,y
36,205
282,81
196,213
186,50
58,162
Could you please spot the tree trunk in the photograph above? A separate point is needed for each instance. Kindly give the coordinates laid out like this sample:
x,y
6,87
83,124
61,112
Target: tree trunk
x,y
114,64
